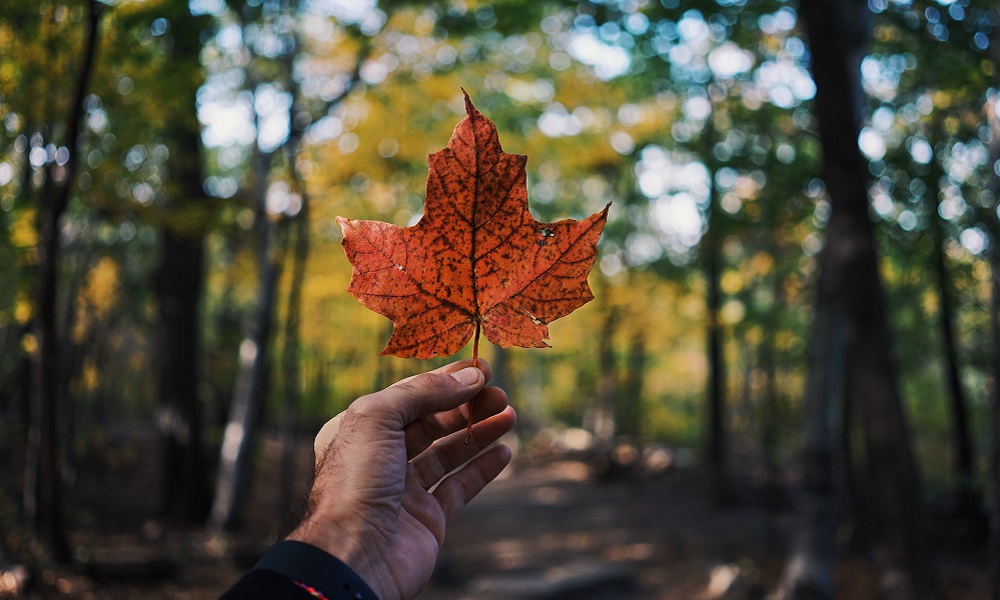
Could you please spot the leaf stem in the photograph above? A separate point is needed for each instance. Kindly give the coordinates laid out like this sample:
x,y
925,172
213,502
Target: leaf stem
x,y
475,363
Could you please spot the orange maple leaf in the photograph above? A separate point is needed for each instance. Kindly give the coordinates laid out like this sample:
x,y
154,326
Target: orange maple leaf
x,y
476,260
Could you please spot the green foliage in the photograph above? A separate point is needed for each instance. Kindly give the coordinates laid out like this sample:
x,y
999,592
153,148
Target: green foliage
x,y
669,109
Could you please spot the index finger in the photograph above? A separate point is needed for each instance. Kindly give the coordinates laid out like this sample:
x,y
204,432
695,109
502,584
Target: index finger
x,y
425,431
330,429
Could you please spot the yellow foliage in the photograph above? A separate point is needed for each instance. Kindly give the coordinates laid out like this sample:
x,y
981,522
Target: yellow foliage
x,y
930,303
732,282
22,230
785,340
376,168
23,312
941,99
29,343
981,271
668,422
96,297
90,376
761,264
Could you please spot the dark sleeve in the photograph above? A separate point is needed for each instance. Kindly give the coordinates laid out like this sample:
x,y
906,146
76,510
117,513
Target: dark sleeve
x,y
288,566
261,583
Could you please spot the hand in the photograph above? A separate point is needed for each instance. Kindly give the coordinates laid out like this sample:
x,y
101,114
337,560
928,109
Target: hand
x,y
374,504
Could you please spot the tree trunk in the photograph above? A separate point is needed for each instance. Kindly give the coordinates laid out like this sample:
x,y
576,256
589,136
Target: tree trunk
x,y
993,427
715,449
602,419
292,376
770,402
42,493
961,440
629,406
808,573
236,455
838,32
853,477
299,228
250,391
893,474
605,426
179,281
228,323
292,372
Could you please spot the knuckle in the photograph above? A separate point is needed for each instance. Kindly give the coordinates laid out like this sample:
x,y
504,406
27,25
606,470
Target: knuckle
x,y
327,434
361,405
367,405
363,414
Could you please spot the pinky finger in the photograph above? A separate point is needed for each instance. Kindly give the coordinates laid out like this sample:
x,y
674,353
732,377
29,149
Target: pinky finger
x,y
460,488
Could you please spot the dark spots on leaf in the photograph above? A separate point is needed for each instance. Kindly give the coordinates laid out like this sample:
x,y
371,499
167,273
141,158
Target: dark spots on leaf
x,y
477,255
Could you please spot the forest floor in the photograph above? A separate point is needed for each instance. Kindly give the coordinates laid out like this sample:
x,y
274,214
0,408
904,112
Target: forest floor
x,y
548,529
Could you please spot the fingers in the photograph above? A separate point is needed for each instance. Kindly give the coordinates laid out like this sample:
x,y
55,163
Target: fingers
x,y
423,432
456,491
451,452
410,399
416,395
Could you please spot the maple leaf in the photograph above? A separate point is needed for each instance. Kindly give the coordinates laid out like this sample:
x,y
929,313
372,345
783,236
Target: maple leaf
x,y
476,260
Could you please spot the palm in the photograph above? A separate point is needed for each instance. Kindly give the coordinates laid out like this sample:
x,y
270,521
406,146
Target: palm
x,y
421,522
381,479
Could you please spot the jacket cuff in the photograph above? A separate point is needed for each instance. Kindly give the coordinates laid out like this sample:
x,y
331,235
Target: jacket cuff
x,y
309,566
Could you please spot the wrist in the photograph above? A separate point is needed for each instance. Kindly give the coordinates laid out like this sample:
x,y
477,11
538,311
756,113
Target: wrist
x,y
343,545
316,571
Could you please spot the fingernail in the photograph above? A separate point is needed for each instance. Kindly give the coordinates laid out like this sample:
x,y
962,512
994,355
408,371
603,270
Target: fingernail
x,y
468,376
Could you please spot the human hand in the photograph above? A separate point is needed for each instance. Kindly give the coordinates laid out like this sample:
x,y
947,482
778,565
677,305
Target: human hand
x,y
374,504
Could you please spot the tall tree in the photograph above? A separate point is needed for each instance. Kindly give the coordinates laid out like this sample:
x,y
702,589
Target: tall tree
x,y
291,351
992,114
43,497
299,250
993,426
716,389
180,275
252,379
236,455
961,438
993,464
808,574
954,94
850,290
605,424
630,401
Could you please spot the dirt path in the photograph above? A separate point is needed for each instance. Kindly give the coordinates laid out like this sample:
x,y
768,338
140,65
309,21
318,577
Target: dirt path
x,y
550,531
545,531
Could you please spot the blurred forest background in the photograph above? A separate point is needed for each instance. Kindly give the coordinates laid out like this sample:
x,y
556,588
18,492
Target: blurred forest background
x,y
799,281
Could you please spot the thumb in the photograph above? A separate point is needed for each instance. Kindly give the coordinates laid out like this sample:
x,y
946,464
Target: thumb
x,y
406,401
